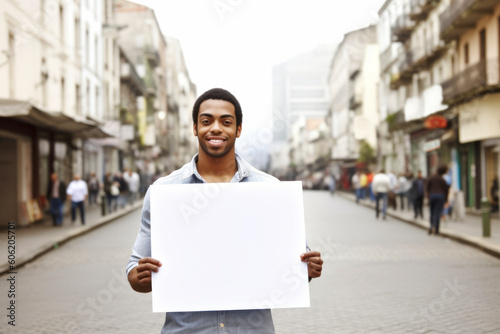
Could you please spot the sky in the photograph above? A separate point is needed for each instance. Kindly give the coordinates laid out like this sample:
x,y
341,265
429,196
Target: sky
x,y
234,44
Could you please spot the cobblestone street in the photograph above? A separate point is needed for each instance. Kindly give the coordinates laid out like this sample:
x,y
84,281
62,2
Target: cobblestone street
x,y
380,276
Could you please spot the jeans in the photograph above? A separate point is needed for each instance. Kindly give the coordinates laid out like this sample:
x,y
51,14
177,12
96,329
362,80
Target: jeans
x,y
81,207
359,192
436,205
56,209
93,196
372,195
417,207
383,197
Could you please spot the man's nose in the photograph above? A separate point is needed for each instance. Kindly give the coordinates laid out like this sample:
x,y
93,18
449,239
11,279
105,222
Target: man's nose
x,y
215,127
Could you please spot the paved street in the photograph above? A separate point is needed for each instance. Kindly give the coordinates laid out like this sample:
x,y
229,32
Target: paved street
x,y
380,276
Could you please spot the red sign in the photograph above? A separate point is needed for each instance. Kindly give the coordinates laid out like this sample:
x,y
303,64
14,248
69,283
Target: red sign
x,y
435,122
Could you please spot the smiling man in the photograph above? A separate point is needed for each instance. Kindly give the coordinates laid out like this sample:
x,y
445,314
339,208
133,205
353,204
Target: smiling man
x,y
217,119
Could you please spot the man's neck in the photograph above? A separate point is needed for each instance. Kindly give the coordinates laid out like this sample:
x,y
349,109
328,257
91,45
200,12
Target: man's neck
x,y
217,169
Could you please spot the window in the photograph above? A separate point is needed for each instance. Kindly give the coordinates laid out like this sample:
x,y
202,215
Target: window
x,y
61,23
44,75
87,98
466,53
87,46
12,65
77,35
96,54
97,102
482,44
63,101
77,99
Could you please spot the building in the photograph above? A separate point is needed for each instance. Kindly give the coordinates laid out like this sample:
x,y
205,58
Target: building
x,y
471,90
300,89
42,120
353,110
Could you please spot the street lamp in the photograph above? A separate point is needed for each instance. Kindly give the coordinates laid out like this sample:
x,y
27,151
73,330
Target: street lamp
x,y
162,115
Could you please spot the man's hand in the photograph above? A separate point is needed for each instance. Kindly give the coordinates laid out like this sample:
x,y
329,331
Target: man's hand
x,y
140,277
314,263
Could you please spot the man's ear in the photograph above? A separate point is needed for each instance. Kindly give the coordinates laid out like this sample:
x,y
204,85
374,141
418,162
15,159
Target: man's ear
x,y
238,131
195,130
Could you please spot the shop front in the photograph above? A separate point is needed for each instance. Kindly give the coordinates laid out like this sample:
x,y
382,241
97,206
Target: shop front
x,y
479,134
35,143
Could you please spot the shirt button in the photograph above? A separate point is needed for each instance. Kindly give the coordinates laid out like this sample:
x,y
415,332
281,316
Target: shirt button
x,y
221,325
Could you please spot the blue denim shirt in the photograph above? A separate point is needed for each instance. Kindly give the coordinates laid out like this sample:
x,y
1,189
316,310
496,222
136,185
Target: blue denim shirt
x,y
241,322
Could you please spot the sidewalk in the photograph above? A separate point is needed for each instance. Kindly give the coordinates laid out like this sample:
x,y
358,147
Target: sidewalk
x,y
37,239
469,231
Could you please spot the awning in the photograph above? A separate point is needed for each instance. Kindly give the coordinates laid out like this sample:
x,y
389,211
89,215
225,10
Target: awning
x,y
26,112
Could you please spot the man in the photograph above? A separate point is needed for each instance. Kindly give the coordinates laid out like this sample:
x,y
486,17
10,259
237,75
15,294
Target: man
x,y
133,182
356,185
381,185
416,195
56,197
94,187
217,121
437,190
77,193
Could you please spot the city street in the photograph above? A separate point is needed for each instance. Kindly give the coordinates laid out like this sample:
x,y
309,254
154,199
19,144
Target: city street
x,y
379,276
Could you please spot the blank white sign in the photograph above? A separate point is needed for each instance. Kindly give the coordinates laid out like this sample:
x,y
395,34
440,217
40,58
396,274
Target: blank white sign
x,y
228,246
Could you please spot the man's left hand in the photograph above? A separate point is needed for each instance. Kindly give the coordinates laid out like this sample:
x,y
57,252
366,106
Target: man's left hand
x,y
314,263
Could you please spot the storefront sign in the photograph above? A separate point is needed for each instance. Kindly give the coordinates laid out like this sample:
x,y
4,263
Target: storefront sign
x,y
480,119
435,122
432,145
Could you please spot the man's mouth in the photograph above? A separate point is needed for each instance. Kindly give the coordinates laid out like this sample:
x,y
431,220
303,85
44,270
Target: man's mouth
x,y
216,141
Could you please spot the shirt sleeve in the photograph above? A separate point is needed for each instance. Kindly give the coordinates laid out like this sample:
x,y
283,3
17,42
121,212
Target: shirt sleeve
x,y
69,191
142,245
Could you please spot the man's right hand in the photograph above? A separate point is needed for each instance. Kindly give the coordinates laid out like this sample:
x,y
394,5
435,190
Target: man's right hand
x,y
140,277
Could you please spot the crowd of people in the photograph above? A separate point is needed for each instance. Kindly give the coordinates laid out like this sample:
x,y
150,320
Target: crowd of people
x,y
119,190
387,189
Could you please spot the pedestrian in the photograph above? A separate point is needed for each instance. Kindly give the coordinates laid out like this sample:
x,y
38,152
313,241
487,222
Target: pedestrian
x,y
409,180
93,189
402,190
331,184
363,183
369,178
381,186
216,123
133,183
393,190
416,195
77,193
56,196
355,181
494,195
437,190
123,193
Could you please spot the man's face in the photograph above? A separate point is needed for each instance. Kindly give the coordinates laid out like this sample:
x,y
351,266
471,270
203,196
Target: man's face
x,y
53,177
216,127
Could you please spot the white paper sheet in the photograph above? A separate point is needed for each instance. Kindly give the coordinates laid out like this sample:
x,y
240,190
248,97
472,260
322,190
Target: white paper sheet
x,y
228,246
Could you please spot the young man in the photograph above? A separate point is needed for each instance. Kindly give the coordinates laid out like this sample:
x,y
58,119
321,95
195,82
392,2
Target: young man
x,y
56,195
77,193
217,119
381,186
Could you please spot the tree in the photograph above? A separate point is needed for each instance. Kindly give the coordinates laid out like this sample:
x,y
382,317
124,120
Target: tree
x,y
366,153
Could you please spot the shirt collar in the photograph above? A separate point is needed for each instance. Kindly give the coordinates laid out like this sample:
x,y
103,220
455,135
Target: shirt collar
x,y
244,169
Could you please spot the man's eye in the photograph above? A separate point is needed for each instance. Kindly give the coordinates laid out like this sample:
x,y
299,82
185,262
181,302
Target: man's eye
x,y
205,121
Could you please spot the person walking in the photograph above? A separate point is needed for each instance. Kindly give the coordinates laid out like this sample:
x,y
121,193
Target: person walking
x,y
133,182
416,195
494,195
77,193
381,186
363,183
437,190
93,189
393,181
56,196
369,178
356,185
402,190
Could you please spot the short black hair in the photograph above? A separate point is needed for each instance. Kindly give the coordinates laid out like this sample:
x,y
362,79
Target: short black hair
x,y
443,169
218,94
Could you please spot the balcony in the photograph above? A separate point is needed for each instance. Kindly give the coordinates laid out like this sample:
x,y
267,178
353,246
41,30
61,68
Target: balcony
x,y
387,58
477,80
425,56
401,31
406,70
128,74
462,15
